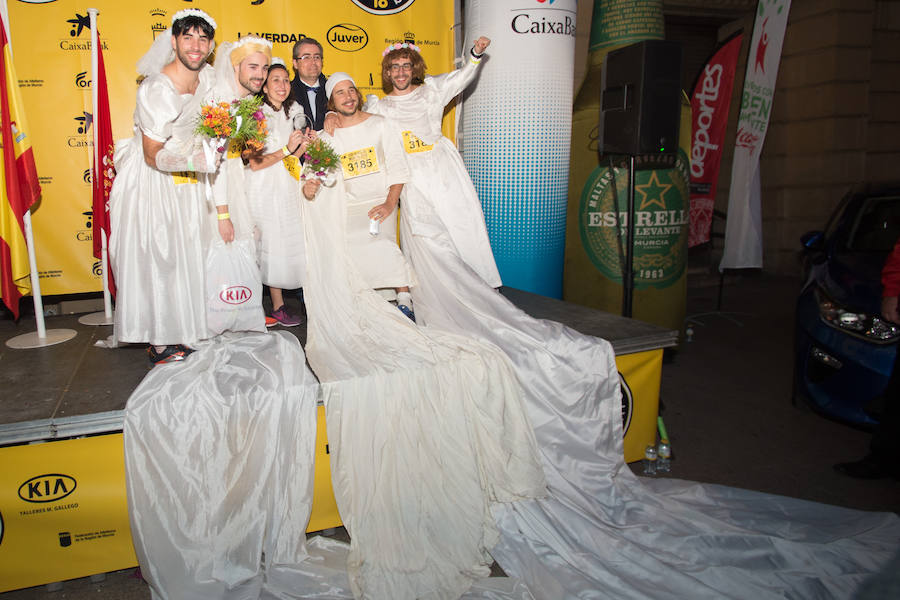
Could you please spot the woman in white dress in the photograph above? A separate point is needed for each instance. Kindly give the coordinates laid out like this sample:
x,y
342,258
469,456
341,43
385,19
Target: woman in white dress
x,y
273,193
157,206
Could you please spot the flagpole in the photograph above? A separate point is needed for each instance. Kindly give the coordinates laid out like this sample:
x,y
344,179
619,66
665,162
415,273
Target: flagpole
x,y
105,317
42,337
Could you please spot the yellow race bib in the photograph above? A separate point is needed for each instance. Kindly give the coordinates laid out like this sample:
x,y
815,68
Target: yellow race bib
x,y
292,164
184,177
234,149
412,144
359,162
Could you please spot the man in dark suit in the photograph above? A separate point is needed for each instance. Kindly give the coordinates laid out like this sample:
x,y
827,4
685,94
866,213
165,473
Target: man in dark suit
x,y
308,85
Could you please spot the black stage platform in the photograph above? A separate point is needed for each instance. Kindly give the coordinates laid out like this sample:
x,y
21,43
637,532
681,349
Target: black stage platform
x,y
76,388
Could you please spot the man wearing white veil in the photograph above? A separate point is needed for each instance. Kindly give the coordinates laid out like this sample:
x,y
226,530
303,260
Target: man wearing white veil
x,y
241,69
157,208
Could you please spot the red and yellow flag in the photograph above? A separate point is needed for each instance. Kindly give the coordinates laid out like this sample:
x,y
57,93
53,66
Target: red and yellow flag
x,y
19,187
103,169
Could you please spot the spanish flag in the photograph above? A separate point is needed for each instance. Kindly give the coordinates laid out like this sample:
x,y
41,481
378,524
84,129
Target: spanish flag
x,y
19,187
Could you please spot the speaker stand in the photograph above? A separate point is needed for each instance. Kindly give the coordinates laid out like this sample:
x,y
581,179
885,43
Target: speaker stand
x,y
628,273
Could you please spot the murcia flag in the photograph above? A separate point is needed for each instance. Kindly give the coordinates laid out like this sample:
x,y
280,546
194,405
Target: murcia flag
x,y
19,187
103,169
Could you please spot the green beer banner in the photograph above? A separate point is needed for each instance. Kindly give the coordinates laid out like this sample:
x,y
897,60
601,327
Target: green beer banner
x,y
598,196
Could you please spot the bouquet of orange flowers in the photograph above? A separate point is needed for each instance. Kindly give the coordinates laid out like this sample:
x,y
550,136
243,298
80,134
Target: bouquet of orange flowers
x,y
319,160
240,121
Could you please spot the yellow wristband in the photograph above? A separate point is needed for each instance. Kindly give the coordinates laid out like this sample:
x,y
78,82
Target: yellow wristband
x,y
223,216
286,151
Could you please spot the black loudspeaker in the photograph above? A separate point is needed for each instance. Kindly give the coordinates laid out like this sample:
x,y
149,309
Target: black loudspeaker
x,y
640,99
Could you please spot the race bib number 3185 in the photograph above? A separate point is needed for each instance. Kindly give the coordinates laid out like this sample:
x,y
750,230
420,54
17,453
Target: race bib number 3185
x,y
359,162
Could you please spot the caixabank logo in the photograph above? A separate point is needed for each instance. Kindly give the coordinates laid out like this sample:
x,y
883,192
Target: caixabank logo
x,y
81,138
347,37
540,18
86,234
383,7
79,39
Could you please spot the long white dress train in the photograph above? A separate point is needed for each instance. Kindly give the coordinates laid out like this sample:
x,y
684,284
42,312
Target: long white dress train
x,y
426,428
219,453
602,532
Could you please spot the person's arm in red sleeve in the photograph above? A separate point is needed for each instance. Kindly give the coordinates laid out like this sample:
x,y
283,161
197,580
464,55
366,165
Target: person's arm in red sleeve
x,y
890,283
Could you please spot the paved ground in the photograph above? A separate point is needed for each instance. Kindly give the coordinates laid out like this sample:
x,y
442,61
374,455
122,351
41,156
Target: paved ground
x,y
727,406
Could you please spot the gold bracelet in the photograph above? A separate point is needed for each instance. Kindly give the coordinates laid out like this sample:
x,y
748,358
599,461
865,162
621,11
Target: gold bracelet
x,y
223,216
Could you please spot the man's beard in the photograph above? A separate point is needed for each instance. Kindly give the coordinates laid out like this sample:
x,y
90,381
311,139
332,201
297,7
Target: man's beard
x,y
344,112
253,86
188,64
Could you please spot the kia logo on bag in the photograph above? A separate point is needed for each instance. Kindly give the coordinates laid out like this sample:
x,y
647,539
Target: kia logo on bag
x,y
236,294
47,488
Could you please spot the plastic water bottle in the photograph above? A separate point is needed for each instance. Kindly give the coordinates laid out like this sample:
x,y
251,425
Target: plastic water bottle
x,y
664,454
650,456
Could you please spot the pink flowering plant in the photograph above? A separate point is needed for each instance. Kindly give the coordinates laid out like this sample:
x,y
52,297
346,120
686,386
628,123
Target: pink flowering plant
x,y
320,160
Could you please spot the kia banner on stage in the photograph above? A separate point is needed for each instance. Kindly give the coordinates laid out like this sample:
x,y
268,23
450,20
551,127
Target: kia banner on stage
x,y
710,102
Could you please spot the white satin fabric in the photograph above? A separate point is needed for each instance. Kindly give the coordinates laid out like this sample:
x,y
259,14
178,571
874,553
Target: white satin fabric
x,y
219,466
426,428
274,200
439,173
155,248
602,532
376,257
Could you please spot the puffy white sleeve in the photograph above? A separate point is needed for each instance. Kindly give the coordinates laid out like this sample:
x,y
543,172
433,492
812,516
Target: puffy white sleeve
x,y
396,169
449,85
371,105
158,105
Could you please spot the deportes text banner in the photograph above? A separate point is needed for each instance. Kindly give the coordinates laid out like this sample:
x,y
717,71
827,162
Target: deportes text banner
x,y
710,102
53,67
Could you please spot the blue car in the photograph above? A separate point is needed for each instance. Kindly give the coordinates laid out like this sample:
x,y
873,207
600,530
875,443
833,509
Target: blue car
x,y
844,350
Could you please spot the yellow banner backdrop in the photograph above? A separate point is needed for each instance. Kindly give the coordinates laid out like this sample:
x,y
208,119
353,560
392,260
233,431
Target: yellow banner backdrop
x,y
51,46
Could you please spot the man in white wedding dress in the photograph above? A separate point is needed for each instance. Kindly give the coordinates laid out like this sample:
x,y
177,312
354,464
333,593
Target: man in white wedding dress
x,y
416,103
219,449
241,69
157,206
374,172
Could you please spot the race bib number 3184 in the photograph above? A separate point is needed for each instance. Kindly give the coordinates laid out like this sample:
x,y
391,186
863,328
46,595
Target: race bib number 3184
x,y
359,162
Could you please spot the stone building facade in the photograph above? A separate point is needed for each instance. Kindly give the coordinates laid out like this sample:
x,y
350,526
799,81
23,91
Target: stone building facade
x,y
836,115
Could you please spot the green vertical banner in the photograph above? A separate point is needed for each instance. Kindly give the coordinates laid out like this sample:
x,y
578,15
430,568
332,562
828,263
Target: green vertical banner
x,y
598,196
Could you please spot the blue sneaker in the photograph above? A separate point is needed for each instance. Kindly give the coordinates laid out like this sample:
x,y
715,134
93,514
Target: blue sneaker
x,y
407,311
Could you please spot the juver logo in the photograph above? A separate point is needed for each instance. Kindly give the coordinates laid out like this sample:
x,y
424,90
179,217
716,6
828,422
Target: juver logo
x,y
347,37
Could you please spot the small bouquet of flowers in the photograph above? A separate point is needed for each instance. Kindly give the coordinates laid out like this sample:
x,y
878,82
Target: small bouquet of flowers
x,y
320,162
241,121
